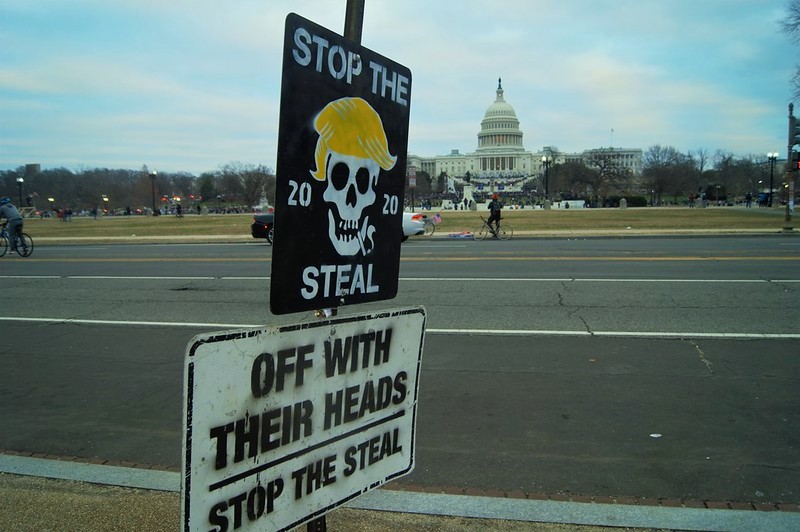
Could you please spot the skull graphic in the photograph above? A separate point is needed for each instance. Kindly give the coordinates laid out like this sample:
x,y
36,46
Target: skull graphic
x,y
351,188
351,151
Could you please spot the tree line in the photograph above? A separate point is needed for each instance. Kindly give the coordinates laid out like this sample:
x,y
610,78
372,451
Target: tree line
x,y
232,185
667,176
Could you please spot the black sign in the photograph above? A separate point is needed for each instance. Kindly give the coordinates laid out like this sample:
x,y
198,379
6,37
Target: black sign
x,y
342,144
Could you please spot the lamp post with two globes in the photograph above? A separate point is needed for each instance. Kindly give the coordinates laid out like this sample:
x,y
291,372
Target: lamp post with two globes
x,y
20,181
772,156
153,175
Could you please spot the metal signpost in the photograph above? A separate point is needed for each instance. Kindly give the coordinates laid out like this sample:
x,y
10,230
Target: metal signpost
x,y
283,424
792,165
341,169
286,423
412,183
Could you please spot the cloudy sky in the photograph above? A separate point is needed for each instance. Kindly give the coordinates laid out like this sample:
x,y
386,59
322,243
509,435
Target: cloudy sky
x,y
189,85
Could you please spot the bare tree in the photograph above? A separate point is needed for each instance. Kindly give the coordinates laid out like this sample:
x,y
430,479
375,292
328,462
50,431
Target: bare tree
x,y
243,182
724,164
611,175
667,171
701,159
748,171
791,26
576,177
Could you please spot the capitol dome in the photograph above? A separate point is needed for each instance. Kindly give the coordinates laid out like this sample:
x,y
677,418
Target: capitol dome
x,y
500,127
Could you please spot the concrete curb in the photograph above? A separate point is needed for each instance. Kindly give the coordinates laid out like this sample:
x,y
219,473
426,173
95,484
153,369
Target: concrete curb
x,y
442,504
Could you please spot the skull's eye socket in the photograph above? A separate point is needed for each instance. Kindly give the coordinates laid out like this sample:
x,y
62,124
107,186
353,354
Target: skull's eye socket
x,y
340,174
362,180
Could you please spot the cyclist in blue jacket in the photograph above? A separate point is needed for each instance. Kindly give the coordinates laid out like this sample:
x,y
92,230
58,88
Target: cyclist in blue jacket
x,y
10,213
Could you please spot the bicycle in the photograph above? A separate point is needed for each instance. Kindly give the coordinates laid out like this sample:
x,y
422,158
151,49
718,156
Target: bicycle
x,y
503,231
24,243
430,224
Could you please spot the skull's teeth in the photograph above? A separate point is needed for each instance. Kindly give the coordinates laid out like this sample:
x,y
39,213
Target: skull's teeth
x,y
348,225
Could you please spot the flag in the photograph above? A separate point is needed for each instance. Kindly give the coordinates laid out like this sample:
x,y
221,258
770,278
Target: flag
x,y
437,218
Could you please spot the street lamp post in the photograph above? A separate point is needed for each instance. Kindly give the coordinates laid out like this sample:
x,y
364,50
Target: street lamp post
x,y
153,175
546,163
20,180
772,156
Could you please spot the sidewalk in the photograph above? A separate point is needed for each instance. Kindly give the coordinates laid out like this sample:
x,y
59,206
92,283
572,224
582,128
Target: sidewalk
x,y
49,494
35,504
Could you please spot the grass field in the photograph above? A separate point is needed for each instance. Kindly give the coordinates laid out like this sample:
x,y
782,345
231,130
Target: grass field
x,y
574,221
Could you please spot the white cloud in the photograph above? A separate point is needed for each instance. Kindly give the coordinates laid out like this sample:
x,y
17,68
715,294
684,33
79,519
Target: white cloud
x,y
196,82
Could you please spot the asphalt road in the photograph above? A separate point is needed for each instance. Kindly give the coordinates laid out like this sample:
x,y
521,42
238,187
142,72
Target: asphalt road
x,y
641,367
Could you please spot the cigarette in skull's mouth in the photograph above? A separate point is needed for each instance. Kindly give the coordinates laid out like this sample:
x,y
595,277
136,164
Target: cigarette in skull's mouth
x,y
361,236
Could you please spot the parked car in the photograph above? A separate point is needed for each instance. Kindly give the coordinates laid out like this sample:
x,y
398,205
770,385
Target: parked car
x,y
413,224
262,226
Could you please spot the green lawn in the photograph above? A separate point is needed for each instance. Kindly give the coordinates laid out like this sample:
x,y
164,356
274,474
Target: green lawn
x,y
676,218
121,226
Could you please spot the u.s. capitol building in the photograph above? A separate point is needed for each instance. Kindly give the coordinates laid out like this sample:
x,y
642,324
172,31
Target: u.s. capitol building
x,y
501,154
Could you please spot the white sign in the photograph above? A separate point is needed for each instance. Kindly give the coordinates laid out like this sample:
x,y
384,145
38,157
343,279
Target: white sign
x,y
283,424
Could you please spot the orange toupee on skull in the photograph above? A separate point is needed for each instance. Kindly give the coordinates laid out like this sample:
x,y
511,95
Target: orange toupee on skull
x,y
351,150
350,126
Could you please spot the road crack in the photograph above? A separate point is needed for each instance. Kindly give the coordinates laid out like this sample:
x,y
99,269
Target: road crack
x,y
703,358
561,296
572,311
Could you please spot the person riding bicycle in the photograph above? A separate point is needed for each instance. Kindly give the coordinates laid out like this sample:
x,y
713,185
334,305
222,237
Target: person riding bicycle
x,y
10,213
494,213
